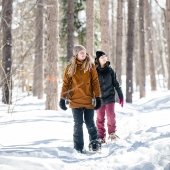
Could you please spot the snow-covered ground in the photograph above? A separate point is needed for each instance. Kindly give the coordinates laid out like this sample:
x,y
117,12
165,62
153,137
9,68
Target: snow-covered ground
x,y
32,138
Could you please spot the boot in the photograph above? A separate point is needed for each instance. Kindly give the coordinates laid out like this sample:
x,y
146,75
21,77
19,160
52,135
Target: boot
x,y
113,136
102,140
94,145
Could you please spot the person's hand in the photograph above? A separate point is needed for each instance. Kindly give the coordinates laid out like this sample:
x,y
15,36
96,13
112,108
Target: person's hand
x,y
98,103
62,104
121,102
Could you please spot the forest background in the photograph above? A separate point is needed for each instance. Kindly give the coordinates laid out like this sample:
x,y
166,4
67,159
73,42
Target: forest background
x,y
37,38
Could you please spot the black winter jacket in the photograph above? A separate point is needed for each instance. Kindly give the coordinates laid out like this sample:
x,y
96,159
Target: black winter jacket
x,y
108,84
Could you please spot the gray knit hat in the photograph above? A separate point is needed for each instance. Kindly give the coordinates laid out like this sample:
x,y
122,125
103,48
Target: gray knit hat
x,y
77,49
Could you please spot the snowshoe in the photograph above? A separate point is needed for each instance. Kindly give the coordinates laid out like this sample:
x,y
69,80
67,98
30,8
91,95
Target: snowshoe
x,y
94,145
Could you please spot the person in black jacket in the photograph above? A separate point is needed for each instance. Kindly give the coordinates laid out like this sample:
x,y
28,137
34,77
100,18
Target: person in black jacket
x,y
108,85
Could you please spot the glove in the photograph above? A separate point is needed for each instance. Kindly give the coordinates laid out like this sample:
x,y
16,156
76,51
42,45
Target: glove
x,y
121,102
98,103
62,104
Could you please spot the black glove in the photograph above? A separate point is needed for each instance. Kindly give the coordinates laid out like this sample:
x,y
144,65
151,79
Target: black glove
x,y
98,103
62,104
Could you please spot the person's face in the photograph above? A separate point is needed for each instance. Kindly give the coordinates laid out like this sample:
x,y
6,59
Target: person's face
x,y
102,60
81,55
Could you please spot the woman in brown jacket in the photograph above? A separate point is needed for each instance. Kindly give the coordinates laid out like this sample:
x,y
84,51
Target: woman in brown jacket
x,y
81,88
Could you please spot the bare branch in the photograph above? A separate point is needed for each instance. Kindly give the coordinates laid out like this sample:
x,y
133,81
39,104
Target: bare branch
x,y
159,5
163,9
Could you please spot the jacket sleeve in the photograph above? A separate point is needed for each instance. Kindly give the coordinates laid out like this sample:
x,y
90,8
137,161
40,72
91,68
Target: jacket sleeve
x,y
117,85
65,85
95,82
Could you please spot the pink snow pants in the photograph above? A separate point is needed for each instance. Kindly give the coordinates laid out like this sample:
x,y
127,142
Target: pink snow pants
x,y
107,110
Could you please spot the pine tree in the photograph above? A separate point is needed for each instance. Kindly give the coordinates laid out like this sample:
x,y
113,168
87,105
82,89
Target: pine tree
x,y
119,36
70,29
7,51
142,49
104,25
89,26
38,63
130,50
52,54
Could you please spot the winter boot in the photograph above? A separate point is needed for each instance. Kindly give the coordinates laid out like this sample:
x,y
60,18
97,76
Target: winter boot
x,y
113,136
102,140
94,145
82,151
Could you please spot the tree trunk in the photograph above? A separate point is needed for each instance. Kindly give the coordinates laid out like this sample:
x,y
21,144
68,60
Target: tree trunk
x,y
7,51
104,26
141,49
0,47
70,29
89,26
38,63
113,45
161,63
168,38
23,78
161,47
164,46
119,39
52,47
136,51
149,28
130,48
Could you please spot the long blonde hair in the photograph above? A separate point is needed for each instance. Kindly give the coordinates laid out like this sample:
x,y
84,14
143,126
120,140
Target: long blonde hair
x,y
86,65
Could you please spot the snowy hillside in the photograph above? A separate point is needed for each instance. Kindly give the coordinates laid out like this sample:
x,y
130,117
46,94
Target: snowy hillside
x,y
32,138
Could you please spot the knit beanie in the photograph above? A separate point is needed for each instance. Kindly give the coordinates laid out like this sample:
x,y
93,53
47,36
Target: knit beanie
x,y
99,54
77,49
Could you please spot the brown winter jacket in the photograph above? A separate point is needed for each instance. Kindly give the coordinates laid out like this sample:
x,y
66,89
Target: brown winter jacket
x,y
81,88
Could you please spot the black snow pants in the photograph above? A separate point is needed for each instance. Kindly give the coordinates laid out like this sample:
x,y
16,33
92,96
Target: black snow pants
x,y
81,115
